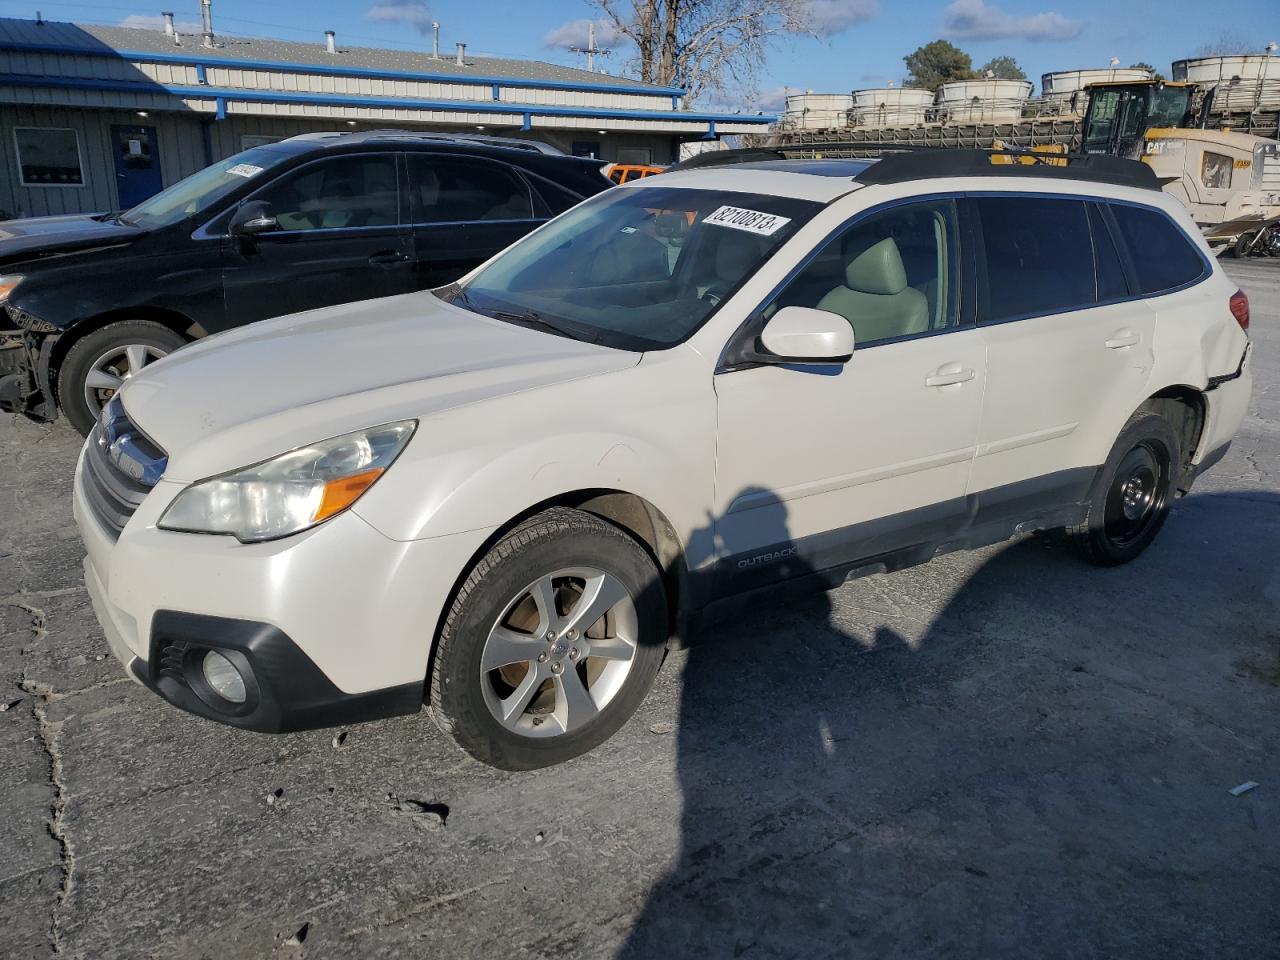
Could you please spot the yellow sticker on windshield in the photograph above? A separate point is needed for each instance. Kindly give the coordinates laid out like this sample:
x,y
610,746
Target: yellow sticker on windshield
x,y
752,221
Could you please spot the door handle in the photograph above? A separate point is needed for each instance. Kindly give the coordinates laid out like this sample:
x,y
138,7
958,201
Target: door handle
x,y
387,257
950,374
1121,339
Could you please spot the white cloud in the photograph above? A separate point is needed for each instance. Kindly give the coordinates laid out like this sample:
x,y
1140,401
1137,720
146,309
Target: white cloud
x,y
825,17
412,13
976,20
144,21
574,34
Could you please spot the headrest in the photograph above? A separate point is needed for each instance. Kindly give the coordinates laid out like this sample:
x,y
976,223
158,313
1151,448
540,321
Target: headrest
x,y
877,269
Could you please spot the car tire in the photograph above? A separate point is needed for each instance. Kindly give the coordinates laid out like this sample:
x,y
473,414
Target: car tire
x,y
1133,493
528,712
111,353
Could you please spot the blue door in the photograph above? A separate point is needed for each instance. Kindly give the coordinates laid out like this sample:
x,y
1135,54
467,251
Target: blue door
x,y
137,164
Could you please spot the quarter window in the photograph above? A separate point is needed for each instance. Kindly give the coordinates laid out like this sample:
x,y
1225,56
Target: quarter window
x,y
1111,281
1162,255
48,157
342,193
890,275
1039,256
454,190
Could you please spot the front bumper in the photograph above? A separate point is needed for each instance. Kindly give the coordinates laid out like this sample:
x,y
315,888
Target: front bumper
x,y
333,625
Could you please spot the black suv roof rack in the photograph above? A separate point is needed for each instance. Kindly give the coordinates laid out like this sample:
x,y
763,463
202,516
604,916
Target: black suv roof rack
x,y
391,133
901,162
930,163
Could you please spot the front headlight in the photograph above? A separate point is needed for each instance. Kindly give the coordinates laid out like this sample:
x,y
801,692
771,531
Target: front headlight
x,y
7,282
291,492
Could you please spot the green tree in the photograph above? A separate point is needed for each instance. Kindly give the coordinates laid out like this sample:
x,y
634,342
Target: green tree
x,y
937,63
1003,68
1143,65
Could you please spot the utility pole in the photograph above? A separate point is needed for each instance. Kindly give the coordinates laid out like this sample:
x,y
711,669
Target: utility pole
x,y
591,49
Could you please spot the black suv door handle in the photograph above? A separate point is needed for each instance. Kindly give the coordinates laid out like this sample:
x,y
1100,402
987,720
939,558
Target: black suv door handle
x,y
387,257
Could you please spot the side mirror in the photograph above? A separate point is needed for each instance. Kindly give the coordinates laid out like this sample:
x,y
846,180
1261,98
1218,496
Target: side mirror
x,y
806,335
252,219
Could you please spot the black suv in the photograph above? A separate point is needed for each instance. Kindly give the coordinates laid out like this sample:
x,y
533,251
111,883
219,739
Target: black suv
x,y
308,222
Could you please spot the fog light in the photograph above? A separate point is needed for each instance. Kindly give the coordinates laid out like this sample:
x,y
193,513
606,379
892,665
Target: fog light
x,y
222,675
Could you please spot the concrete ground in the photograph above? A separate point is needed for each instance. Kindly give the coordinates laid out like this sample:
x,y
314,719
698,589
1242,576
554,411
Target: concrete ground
x,y
1002,753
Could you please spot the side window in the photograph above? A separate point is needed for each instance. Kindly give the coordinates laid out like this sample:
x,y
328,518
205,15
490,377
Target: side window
x,y
1162,255
1039,256
459,190
890,275
1215,171
549,198
343,192
1110,273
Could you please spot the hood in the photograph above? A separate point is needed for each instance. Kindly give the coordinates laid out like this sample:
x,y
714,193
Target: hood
x,y
254,393
44,236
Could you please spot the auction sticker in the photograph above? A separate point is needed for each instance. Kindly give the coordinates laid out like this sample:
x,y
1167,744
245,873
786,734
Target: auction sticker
x,y
752,221
244,170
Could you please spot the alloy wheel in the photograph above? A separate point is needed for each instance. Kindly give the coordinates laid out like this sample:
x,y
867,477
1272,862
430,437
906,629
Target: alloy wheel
x,y
560,652
108,373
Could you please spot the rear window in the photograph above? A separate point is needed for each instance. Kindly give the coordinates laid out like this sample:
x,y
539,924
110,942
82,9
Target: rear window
x,y
1162,256
1039,255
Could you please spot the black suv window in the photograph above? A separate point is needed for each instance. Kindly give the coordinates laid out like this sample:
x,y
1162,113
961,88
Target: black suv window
x,y
456,189
1162,255
342,192
1039,256
892,274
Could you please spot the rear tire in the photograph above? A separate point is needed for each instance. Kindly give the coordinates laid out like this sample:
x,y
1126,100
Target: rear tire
x,y
1133,493
520,680
97,365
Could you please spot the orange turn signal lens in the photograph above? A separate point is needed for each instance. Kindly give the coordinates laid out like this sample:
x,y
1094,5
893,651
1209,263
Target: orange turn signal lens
x,y
342,493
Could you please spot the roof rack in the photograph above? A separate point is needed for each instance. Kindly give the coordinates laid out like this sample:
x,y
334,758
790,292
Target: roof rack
x,y
930,163
901,162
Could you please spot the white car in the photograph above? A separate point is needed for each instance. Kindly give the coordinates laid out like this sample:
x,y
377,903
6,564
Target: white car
x,y
503,499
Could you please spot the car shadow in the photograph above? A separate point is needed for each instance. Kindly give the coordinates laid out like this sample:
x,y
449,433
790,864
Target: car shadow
x,y
1026,757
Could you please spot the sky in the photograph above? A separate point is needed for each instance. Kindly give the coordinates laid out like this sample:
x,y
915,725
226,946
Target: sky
x,y
858,43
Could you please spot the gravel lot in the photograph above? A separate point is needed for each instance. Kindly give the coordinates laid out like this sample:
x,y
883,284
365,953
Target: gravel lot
x,y
1003,753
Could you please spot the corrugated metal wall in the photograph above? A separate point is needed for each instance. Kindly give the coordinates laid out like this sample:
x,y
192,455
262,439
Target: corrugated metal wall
x,y
179,143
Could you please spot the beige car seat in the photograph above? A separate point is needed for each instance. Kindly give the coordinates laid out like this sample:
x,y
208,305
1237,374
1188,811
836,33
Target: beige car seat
x,y
875,298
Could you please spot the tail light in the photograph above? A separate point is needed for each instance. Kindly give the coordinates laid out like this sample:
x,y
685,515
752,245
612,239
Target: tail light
x,y
1240,309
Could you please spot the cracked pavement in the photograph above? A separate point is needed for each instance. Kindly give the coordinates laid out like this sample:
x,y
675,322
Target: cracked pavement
x,y
1003,752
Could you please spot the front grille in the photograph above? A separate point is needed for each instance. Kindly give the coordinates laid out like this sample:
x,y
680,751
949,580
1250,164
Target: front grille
x,y
121,465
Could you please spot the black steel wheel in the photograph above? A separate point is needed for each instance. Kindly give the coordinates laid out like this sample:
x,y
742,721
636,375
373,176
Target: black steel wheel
x,y
1133,492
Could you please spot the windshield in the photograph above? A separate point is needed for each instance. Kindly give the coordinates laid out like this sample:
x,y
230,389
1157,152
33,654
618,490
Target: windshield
x,y
198,191
637,268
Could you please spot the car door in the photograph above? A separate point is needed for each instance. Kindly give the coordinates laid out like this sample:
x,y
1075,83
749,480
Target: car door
x,y
1069,353
821,466
464,210
338,238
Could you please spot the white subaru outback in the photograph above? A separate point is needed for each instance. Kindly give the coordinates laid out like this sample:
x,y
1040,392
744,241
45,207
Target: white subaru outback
x,y
503,498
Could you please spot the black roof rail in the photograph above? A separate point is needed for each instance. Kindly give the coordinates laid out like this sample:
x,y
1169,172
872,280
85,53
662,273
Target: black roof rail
x,y
720,158
901,162
940,162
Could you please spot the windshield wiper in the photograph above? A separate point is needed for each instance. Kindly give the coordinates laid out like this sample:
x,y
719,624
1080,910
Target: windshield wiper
x,y
531,318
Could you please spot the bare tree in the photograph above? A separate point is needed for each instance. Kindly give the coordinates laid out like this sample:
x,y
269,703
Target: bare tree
x,y
705,46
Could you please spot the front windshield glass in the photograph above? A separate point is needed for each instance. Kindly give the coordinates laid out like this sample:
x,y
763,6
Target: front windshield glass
x,y
637,268
198,191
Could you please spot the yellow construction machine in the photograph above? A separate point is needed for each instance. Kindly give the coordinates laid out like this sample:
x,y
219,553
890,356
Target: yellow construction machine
x,y
1229,181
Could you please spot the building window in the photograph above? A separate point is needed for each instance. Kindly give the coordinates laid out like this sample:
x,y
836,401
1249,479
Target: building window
x,y
637,156
250,140
48,157
587,148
